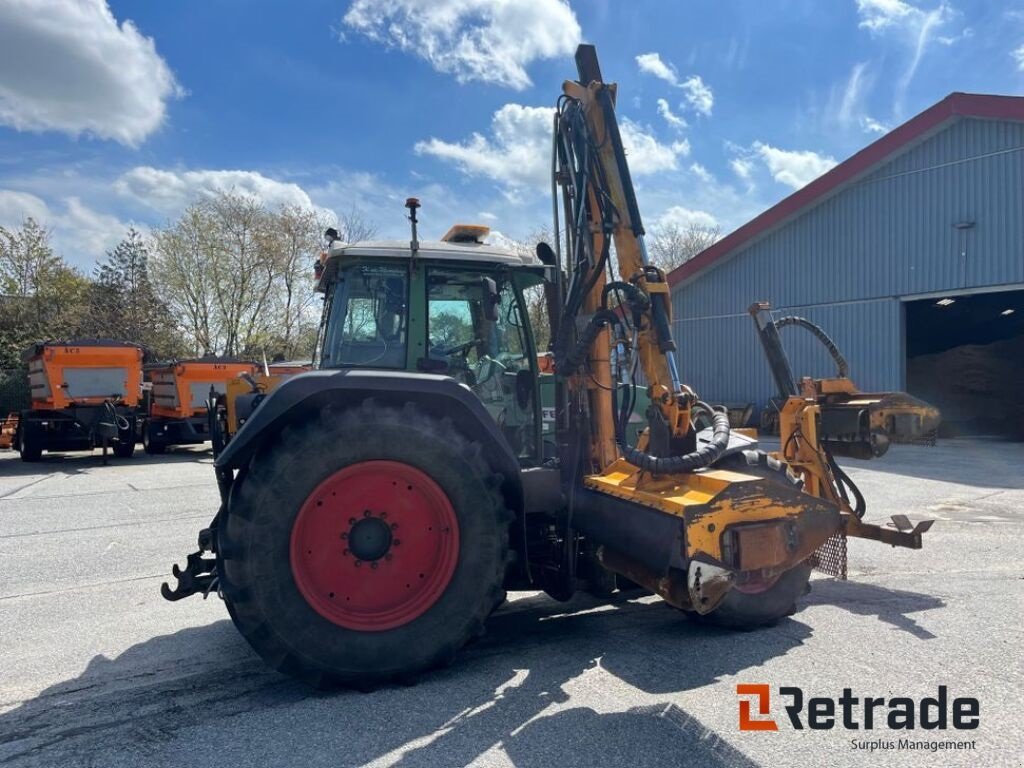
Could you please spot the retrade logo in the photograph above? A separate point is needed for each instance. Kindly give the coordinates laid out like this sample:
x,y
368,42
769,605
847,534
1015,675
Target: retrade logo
x,y
850,712
761,694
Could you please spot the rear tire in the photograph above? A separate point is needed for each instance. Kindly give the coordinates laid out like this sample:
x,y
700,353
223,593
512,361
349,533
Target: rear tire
x,y
284,545
28,445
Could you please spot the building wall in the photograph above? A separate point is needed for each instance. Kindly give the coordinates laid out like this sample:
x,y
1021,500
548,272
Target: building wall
x,y
845,263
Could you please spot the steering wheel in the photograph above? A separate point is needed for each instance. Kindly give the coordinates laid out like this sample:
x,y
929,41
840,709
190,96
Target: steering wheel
x,y
461,349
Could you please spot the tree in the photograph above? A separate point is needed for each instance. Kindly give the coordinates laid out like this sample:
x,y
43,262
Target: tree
x,y
44,298
354,227
299,234
536,304
125,305
26,259
673,244
239,277
184,279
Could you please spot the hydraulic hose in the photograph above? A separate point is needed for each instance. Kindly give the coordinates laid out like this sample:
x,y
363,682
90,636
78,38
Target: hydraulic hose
x,y
115,418
566,364
704,456
840,361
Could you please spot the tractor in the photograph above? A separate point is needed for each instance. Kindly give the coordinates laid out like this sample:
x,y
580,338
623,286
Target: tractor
x,y
375,511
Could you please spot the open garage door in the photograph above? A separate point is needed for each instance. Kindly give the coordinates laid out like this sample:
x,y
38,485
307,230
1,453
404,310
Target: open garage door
x,y
965,354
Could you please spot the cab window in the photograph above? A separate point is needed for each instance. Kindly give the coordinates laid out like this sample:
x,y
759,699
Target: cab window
x,y
483,347
367,322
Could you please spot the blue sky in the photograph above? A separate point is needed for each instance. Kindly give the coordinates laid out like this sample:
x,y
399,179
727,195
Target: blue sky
x,y
120,113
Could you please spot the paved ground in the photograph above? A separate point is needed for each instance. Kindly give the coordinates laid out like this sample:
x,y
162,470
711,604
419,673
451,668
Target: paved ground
x,y
98,670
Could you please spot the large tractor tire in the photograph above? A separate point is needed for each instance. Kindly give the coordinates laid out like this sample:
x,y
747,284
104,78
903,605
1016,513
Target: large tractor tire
x,y
364,546
760,604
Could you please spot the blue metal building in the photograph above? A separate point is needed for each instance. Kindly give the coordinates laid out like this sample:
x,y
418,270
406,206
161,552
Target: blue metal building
x,y
910,254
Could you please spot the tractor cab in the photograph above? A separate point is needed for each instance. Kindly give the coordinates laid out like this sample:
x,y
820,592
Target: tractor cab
x,y
454,308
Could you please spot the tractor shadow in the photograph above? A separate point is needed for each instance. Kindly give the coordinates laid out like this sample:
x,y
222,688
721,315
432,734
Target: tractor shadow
x,y
154,703
890,606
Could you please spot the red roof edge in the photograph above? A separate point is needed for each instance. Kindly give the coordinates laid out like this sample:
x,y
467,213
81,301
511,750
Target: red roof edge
x,y
955,105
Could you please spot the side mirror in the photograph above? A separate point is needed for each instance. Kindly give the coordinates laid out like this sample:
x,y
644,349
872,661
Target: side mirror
x,y
546,254
491,299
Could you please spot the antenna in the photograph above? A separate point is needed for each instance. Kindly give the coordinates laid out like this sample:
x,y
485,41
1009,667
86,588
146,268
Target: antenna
x,y
412,204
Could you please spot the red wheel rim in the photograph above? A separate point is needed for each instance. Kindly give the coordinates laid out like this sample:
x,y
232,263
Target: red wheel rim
x,y
374,546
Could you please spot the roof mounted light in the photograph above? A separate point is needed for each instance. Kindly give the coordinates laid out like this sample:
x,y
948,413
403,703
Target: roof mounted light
x,y
1007,312
944,302
467,233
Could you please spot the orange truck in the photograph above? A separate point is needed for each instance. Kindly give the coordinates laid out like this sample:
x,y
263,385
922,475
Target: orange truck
x,y
85,393
176,412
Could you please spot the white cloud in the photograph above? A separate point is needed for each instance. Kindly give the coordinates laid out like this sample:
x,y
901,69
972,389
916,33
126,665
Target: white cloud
x,y
669,116
870,125
652,64
15,207
486,40
91,231
701,173
679,216
697,94
742,167
171,191
646,154
1018,56
881,14
915,27
72,68
795,168
517,153
78,232
853,93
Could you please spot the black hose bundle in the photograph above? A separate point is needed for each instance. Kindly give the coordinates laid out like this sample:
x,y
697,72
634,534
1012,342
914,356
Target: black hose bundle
x,y
840,361
704,456
577,169
567,363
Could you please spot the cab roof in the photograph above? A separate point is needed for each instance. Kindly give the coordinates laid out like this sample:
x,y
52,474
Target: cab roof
x,y
435,249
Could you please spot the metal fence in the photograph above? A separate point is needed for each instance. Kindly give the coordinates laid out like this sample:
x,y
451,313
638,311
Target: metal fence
x,y
14,391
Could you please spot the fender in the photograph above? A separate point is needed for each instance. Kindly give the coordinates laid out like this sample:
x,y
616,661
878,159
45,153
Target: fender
x,y
440,396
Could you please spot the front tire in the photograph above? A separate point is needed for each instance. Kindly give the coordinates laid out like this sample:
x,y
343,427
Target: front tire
x,y
151,446
363,546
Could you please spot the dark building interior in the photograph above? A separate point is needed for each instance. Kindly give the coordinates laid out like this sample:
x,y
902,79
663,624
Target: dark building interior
x,y
965,354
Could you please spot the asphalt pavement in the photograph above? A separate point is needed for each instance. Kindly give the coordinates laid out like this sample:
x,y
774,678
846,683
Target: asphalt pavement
x,y
97,670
